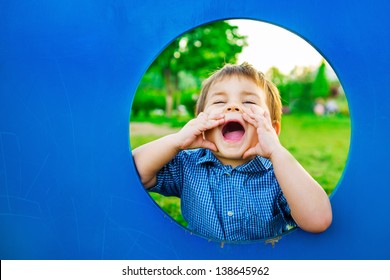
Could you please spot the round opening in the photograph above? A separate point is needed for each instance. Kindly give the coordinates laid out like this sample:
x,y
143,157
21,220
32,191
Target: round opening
x,y
315,125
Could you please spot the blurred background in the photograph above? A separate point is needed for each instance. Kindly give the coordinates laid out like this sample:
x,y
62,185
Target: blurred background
x,y
315,122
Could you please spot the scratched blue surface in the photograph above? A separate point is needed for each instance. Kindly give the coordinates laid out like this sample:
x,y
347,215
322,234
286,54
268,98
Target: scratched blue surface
x,y
68,74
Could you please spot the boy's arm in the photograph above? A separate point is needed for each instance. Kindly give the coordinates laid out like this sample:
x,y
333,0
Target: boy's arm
x,y
308,202
151,157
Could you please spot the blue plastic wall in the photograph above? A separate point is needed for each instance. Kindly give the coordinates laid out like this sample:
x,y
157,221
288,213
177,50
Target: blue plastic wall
x,y
68,74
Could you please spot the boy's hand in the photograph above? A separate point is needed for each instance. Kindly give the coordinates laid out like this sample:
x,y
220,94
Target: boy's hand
x,y
268,140
191,135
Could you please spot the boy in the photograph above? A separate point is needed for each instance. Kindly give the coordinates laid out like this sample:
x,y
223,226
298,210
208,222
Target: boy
x,y
235,179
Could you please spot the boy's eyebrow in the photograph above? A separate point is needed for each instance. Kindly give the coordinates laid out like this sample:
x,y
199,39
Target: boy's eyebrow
x,y
250,93
222,93
218,93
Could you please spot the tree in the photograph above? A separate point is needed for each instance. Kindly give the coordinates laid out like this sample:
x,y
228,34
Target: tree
x,y
197,52
294,88
321,86
281,81
276,76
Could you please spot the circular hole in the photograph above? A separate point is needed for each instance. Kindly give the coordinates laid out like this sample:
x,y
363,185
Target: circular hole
x,y
315,121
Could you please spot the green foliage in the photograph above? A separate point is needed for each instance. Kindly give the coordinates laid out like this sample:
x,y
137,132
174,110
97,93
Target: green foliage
x,y
302,101
188,99
175,77
295,88
189,59
144,101
208,47
201,50
175,122
303,87
321,86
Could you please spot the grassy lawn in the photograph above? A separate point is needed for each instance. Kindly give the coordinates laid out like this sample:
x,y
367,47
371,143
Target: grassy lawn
x,y
320,144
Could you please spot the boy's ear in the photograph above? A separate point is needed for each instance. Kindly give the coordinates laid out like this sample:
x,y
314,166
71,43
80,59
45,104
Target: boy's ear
x,y
277,126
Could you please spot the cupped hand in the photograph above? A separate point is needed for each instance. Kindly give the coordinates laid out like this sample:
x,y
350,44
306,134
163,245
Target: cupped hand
x,y
268,140
191,135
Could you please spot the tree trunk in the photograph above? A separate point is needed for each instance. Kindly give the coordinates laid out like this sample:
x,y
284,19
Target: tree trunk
x,y
169,95
177,91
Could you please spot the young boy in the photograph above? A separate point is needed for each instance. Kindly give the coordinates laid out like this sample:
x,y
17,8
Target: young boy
x,y
235,179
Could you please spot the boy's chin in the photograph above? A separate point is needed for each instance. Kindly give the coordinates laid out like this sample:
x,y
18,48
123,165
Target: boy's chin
x,y
237,157
235,151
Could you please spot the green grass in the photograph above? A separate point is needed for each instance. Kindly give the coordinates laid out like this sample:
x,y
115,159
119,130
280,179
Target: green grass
x,y
138,140
320,144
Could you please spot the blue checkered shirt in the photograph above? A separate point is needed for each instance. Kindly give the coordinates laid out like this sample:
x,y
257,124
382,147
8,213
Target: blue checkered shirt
x,y
225,203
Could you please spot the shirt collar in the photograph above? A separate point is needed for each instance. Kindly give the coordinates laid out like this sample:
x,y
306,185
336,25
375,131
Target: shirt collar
x,y
257,164
207,156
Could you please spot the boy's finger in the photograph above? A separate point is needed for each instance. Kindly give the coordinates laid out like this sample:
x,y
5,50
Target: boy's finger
x,y
215,116
203,116
267,115
204,125
248,111
213,123
261,116
257,110
256,120
250,119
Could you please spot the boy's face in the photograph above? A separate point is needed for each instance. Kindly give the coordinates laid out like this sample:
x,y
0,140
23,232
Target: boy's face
x,y
230,97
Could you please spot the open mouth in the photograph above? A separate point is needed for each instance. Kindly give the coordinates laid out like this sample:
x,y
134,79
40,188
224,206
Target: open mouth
x,y
233,131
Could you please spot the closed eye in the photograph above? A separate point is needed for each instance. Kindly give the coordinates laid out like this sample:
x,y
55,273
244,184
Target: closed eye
x,y
249,102
219,102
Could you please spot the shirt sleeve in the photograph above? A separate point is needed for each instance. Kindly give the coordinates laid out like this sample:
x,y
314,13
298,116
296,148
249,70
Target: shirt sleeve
x,y
170,177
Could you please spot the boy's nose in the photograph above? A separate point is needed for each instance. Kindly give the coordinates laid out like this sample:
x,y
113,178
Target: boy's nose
x,y
233,108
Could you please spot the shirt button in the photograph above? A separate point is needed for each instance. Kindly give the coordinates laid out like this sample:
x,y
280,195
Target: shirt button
x,y
230,213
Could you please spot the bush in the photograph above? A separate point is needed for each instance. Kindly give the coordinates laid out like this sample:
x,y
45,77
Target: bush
x,y
146,101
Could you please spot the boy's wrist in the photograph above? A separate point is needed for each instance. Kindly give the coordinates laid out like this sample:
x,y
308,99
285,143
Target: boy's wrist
x,y
175,139
277,152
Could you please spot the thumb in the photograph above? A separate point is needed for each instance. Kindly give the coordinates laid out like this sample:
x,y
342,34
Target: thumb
x,y
250,152
209,145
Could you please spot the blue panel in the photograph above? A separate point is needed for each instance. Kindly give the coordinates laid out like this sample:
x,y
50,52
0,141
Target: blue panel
x,y
68,74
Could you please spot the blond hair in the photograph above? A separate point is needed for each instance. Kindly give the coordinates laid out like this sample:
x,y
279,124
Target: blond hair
x,y
247,71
